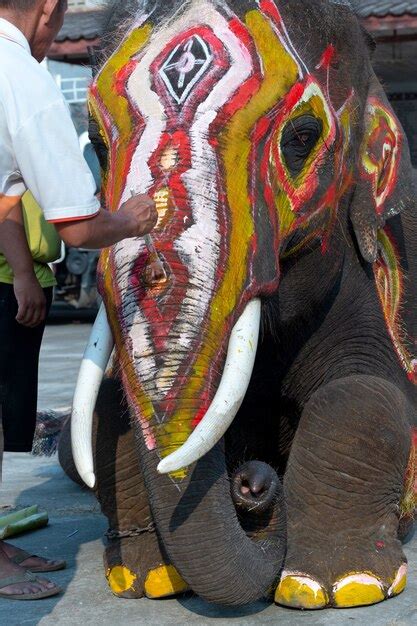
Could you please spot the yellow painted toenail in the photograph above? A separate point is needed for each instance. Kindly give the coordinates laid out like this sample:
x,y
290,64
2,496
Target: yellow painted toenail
x,y
358,590
164,581
400,581
300,592
120,579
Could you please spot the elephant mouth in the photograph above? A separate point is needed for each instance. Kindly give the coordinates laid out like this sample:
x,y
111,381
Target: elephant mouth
x,y
230,394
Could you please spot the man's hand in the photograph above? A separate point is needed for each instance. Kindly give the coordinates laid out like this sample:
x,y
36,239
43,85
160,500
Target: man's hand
x,y
30,299
29,295
135,218
141,213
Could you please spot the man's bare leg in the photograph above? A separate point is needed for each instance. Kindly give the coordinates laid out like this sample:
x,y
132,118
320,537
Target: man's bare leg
x,y
9,569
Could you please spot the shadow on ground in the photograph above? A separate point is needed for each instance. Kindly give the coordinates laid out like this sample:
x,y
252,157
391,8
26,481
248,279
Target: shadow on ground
x,y
75,533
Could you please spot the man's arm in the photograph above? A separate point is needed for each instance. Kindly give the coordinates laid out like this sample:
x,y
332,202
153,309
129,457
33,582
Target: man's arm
x,y
135,218
29,294
48,154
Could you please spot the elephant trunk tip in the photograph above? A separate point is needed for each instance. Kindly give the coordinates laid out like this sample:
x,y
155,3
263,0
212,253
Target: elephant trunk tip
x,y
255,487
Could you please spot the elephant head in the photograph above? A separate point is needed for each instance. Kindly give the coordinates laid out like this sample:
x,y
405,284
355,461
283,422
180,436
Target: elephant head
x,y
255,125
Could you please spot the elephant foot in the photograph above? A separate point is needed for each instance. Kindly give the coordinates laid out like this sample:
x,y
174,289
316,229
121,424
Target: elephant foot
x,y
164,582
135,568
343,489
300,591
350,579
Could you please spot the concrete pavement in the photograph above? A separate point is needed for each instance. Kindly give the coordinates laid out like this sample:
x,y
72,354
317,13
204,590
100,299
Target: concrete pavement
x,y
77,526
59,363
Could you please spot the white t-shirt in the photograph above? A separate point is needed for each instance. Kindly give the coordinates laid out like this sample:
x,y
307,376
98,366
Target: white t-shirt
x,y
39,147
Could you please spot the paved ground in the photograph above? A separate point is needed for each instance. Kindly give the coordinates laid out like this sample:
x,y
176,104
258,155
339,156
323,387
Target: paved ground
x,y
60,359
76,528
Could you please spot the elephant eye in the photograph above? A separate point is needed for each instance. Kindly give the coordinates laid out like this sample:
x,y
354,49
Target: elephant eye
x,y
98,143
299,137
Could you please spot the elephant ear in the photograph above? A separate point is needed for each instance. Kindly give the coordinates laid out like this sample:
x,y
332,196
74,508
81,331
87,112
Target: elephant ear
x,y
384,172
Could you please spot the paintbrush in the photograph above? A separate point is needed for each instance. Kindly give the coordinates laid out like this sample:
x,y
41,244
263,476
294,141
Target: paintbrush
x,y
155,272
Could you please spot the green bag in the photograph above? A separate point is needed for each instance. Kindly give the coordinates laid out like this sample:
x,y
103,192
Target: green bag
x,y
44,242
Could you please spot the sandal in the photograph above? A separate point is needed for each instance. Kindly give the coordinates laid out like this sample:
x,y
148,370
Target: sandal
x,y
22,556
26,578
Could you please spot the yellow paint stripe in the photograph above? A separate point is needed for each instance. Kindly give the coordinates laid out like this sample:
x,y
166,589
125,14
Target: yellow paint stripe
x,y
118,106
389,285
393,275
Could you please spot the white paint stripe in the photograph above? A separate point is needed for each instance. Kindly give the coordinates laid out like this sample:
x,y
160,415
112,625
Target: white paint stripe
x,y
147,101
199,245
360,579
126,253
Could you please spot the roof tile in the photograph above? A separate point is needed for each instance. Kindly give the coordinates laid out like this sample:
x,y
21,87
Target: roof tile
x,y
87,24
381,8
81,25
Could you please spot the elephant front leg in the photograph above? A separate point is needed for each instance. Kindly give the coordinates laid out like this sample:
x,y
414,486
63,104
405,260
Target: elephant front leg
x,y
135,562
343,486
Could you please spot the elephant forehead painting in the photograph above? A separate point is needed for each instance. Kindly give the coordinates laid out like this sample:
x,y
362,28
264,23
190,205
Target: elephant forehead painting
x,y
279,342
195,115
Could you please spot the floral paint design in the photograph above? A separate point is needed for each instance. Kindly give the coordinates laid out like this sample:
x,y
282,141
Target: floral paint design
x,y
390,283
381,152
381,155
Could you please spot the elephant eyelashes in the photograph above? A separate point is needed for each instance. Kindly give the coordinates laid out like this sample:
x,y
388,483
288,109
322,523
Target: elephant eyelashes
x,y
299,137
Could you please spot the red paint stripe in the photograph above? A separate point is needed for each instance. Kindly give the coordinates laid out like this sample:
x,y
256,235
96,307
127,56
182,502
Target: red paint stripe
x,y
327,58
269,8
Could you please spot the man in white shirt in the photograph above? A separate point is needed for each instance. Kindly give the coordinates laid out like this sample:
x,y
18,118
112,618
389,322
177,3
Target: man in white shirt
x,y
39,148
39,151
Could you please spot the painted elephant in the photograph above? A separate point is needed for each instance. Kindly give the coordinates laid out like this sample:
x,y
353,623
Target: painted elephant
x,y
287,206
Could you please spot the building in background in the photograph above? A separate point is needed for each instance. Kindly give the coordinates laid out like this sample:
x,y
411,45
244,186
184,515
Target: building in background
x,y
393,24
81,29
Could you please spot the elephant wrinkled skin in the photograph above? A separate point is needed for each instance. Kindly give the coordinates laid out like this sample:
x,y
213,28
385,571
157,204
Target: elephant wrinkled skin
x,y
282,177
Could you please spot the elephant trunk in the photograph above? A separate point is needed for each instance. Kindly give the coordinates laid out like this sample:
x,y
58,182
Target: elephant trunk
x,y
194,509
200,530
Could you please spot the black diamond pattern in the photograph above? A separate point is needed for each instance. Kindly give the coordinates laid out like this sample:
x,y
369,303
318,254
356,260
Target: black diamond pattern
x,y
185,66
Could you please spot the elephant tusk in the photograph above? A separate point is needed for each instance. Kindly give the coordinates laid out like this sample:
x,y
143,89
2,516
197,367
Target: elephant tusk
x,y
93,366
237,373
